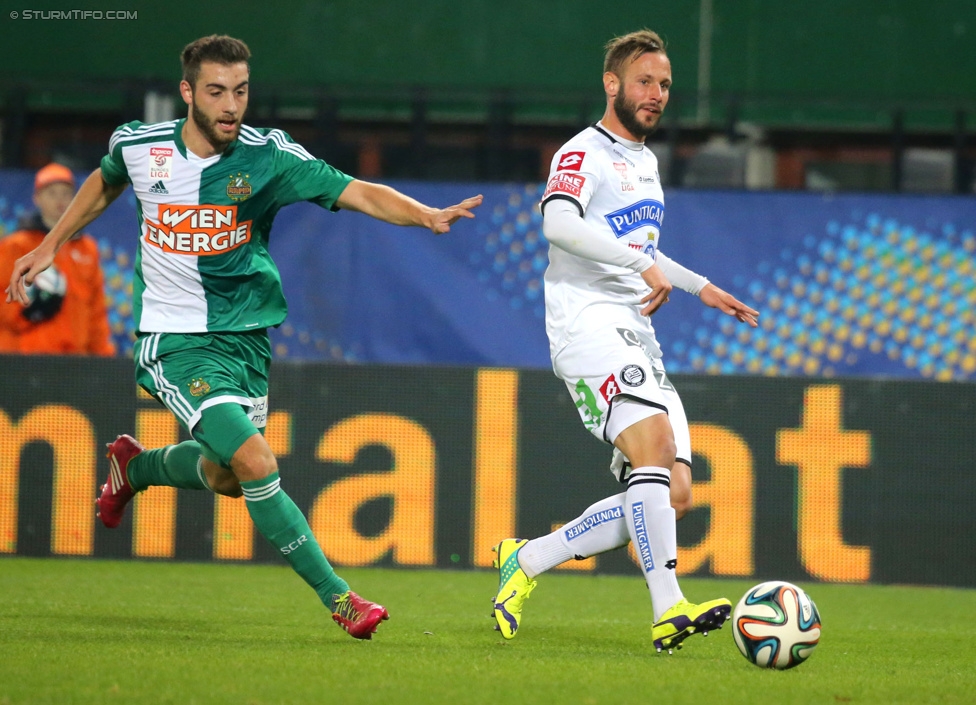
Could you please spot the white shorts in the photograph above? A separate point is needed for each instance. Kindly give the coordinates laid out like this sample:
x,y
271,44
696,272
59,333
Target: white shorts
x,y
609,364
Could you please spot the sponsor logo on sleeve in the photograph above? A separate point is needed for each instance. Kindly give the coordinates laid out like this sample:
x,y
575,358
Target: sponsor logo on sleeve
x,y
197,230
570,161
160,163
560,182
647,212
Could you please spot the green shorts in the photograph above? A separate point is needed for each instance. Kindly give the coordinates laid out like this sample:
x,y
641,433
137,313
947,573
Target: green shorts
x,y
218,378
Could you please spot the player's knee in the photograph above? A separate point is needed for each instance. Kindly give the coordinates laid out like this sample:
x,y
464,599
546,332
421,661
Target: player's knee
x,y
664,448
228,487
254,460
669,450
221,480
681,503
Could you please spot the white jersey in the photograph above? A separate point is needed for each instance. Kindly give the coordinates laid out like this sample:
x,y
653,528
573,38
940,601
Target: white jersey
x,y
616,186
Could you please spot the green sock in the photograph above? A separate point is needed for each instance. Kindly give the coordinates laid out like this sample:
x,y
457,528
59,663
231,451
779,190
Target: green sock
x,y
280,521
172,466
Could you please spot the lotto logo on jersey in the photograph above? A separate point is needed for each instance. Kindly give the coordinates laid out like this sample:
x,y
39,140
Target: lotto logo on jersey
x,y
197,230
610,388
160,163
565,183
637,215
571,161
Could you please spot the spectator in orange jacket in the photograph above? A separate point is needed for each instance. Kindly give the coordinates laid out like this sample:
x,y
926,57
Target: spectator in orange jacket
x,y
67,313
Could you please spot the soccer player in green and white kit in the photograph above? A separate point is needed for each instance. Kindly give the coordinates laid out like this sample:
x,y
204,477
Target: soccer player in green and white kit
x,y
206,290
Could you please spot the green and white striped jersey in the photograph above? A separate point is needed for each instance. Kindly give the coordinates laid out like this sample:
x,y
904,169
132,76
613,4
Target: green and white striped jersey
x,y
203,263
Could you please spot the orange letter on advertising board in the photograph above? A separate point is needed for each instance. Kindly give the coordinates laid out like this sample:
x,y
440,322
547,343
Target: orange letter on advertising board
x,y
410,483
154,512
821,449
495,450
71,437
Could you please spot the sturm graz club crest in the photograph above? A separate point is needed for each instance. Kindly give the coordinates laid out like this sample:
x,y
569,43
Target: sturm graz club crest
x,y
633,375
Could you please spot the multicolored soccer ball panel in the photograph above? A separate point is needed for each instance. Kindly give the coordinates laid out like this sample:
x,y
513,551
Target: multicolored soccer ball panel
x,y
776,625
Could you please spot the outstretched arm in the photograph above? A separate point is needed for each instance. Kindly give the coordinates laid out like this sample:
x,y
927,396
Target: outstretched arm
x,y
710,295
391,206
92,199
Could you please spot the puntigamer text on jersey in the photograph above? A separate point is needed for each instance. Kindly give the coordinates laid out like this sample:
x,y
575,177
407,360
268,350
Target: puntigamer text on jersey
x,y
645,212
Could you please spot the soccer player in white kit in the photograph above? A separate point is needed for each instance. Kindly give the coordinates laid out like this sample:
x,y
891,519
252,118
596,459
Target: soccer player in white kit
x,y
603,209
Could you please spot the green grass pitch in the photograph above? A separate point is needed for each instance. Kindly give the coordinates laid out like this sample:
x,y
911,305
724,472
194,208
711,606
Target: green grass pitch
x,y
86,631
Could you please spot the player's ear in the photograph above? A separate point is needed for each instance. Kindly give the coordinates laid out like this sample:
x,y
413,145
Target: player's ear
x,y
611,83
186,90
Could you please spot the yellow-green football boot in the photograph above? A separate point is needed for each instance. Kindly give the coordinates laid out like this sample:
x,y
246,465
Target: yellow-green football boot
x,y
685,619
514,587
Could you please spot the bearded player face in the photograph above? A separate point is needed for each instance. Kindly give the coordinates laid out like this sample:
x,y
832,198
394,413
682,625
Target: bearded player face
x,y
218,102
643,93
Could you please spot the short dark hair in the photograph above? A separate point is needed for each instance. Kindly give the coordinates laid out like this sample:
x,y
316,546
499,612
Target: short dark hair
x,y
218,48
631,46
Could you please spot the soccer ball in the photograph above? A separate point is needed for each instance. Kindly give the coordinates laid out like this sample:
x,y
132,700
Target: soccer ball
x,y
776,625
46,295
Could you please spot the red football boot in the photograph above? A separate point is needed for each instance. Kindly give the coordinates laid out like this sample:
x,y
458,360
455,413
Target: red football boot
x,y
356,615
116,492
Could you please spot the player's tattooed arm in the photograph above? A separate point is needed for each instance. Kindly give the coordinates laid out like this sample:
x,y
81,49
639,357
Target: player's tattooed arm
x,y
391,206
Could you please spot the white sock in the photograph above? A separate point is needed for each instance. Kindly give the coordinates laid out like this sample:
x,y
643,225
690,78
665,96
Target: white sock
x,y
602,527
543,553
652,529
